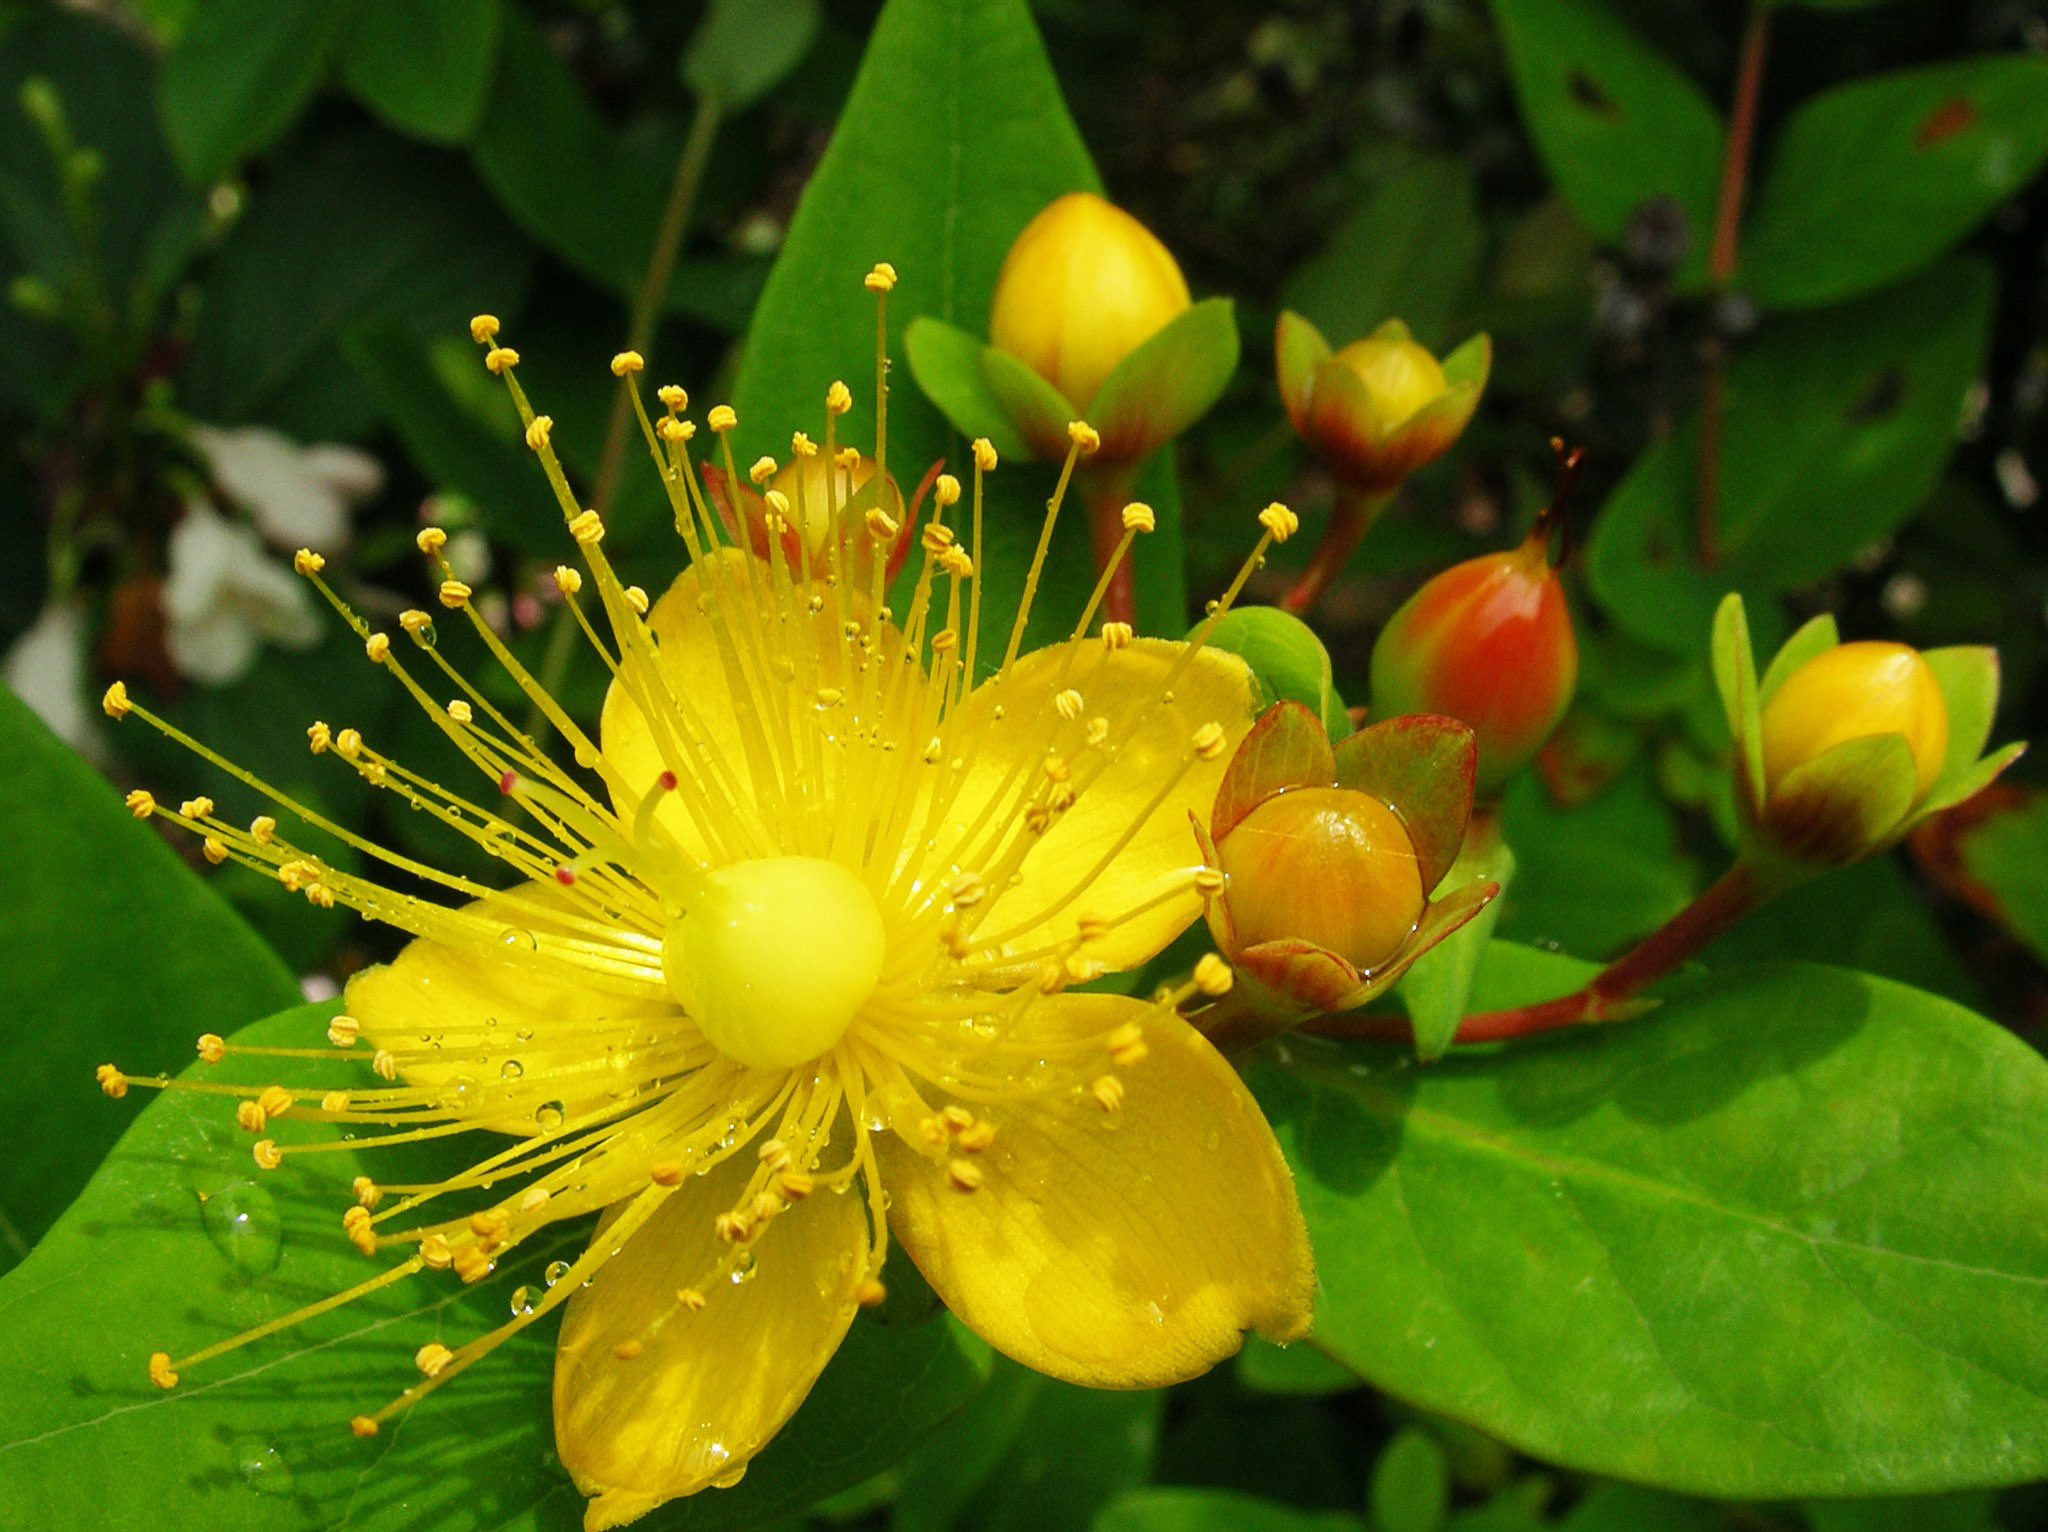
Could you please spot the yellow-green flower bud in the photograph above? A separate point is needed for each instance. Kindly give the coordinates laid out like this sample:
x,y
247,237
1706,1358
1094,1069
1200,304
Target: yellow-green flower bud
x,y
1855,691
1400,375
1083,287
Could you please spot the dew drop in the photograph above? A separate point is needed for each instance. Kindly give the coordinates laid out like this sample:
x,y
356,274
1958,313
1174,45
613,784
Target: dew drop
x,y
548,1116
556,1270
242,1221
523,1300
524,1034
518,936
727,1481
511,1069
743,1267
260,1466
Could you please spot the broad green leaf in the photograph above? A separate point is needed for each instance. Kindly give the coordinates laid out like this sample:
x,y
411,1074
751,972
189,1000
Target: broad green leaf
x,y
1299,1369
1409,252
425,250
1168,1509
180,1240
1631,1508
1438,989
953,138
1595,879
1837,426
1411,1484
423,68
239,75
2008,854
1785,1236
1286,658
1617,123
1967,1511
113,948
1074,1449
742,47
944,1470
1875,178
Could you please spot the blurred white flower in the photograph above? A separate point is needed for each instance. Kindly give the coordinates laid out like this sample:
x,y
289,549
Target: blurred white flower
x,y
298,496
46,669
224,596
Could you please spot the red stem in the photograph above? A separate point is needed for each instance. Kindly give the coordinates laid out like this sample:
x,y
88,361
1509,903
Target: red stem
x,y
1611,996
1106,489
1350,516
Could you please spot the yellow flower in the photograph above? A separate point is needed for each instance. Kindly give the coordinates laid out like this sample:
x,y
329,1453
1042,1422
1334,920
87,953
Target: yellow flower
x,y
785,972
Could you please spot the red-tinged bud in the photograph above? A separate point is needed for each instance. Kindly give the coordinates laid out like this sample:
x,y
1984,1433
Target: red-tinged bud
x,y
1857,691
1083,287
1490,642
1325,865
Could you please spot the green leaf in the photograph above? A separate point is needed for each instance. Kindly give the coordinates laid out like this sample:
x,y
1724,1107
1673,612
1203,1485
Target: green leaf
x,y
1786,1236
1594,879
1287,659
425,250
1873,179
946,361
1168,383
1409,252
1617,123
1210,1510
1631,1508
1837,426
953,138
423,69
114,948
2008,854
239,75
743,47
179,1240
1411,1484
1437,991
1073,1449
1968,1511
1298,1370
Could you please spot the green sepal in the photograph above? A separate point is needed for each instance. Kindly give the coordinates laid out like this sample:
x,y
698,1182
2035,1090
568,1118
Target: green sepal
x,y
946,361
1422,765
1437,989
1285,748
1168,383
1735,679
1812,640
1967,784
1298,350
1968,678
1039,412
1471,364
1847,802
1287,660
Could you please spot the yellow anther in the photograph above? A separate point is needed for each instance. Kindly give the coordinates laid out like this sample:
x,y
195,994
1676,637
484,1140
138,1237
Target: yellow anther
x,y
470,1263
801,445
307,562
1108,1092
334,1101
384,1065
1068,704
1138,517
1209,881
587,528
763,469
432,1357
266,1154
731,1227
937,537
1097,733
672,396
275,1101
490,1225
366,1192
690,1298
430,540
1279,521
954,936
483,327
881,279
984,454
263,829
722,418
838,399
964,1175
627,362
141,803
774,1154
1213,975
568,581
778,508
319,736
413,620
956,563
363,1426
976,1137
847,458
112,1081
636,598
933,1131
1116,635
348,744
212,1047
196,808
666,1172
1084,436
343,1031
435,1253
968,890
628,1350
794,1185
355,1223
377,646
115,703
946,490
160,1370
956,1117
944,642
880,527
1209,741
1127,1045
1056,769
1091,928
454,594
670,429
498,358
1080,970
538,431
534,1198
764,1207
870,1293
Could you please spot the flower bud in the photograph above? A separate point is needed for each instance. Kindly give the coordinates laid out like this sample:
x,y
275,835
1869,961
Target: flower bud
x,y
1084,285
1489,642
1855,691
1326,865
820,502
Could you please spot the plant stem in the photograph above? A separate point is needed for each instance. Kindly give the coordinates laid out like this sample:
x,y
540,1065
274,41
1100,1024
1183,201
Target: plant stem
x,y
1749,79
1612,994
1106,490
1350,515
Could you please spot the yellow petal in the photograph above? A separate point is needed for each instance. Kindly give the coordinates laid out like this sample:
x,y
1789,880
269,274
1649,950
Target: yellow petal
x,y
741,734
1150,736
709,1387
529,1014
1116,1251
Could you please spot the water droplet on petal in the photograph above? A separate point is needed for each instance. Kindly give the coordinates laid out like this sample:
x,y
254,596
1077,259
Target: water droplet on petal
x,y
260,1467
523,1300
556,1270
242,1221
743,1267
548,1116
511,1069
